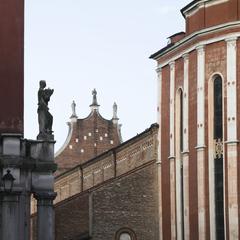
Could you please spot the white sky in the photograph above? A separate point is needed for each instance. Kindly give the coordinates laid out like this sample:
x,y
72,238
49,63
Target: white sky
x,y
78,45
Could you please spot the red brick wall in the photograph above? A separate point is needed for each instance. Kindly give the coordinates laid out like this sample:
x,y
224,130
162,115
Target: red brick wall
x,y
165,154
213,15
98,127
195,22
127,202
11,65
215,63
193,194
72,217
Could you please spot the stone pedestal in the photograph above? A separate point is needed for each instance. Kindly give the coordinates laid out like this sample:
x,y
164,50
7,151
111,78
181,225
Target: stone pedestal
x,y
45,215
31,165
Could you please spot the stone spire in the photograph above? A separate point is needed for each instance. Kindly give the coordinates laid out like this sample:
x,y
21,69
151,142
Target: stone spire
x,y
94,104
115,117
73,106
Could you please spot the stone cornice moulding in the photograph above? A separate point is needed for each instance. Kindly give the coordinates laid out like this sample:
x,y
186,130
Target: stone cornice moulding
x,y
205,42
200,4
200,48
172,65
185,56
231,39
231,42
194,47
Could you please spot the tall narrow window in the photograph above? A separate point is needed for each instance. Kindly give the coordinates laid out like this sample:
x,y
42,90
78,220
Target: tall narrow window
x,y
218,158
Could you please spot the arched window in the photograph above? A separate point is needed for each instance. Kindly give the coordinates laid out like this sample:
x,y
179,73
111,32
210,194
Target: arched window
x,y
125,234
218,158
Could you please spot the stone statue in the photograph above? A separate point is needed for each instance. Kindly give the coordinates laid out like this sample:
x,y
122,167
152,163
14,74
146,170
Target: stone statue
x,y
94,93
73,105
115,111
45,119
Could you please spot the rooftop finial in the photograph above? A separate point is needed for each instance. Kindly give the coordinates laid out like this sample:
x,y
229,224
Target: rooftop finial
x,y
73,105
94,104
115,117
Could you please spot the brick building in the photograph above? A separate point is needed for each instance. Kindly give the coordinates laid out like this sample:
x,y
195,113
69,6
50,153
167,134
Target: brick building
x,y
111,196
198,103
106,189
88,137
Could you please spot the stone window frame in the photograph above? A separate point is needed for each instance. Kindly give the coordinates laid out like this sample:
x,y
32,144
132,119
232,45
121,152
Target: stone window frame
x,y
212,145
125,230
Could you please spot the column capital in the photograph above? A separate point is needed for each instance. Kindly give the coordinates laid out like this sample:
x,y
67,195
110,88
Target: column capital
x,y
172,65
159,70
185,56
45,195
200,49
231,39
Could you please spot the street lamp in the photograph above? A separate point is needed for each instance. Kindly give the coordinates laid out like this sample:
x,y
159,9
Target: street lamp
x,y
8,180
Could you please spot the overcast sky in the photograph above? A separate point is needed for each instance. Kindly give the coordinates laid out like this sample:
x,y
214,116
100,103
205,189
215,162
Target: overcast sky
x,y
78,45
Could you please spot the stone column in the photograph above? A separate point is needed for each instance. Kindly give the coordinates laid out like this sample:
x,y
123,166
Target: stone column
x,y
172,152
232,141
159,159
172,105
24,216
201,141
45,215
185,154
173,198
10,216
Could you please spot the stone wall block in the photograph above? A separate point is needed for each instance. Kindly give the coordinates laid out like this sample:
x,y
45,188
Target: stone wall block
x,y
42,150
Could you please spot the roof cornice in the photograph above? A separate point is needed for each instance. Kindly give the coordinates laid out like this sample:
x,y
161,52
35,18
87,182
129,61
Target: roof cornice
x,y
192,36
197,3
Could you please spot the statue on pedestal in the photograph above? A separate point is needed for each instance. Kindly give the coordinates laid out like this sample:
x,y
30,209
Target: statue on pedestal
x,y
45,119
73,105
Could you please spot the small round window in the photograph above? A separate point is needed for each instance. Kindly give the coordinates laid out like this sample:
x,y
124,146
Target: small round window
x,y
125,236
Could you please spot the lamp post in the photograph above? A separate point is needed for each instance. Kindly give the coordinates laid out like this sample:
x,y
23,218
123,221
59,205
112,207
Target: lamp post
x,y
8,180
10,197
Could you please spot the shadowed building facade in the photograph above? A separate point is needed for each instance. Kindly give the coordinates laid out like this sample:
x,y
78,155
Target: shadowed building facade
x,y
198,86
